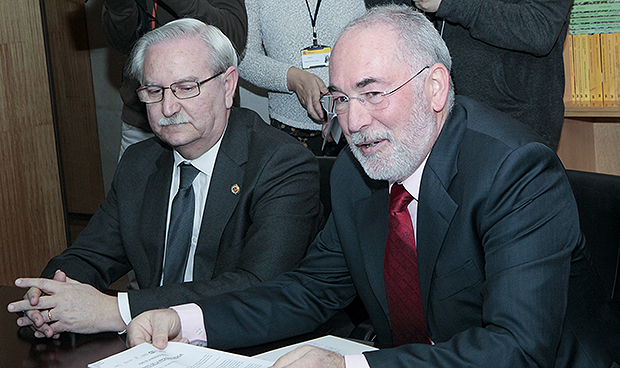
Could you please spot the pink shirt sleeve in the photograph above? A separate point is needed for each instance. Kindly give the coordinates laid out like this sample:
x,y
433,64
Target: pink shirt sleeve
x,y
192,323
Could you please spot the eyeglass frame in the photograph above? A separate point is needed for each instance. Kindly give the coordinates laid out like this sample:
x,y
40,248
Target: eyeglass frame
x,y
198,84
364,101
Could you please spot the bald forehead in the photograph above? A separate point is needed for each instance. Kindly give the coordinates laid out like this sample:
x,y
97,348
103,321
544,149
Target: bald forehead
x,y
179,59
364,53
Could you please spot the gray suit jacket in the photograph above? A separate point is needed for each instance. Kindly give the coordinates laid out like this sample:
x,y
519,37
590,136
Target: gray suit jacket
x,y
245,238
504,274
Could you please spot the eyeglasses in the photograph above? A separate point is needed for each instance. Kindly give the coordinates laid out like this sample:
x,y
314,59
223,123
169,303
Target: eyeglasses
x,y
182,90
371,100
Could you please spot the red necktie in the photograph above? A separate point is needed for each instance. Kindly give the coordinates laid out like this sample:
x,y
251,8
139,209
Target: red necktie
x,y
401,273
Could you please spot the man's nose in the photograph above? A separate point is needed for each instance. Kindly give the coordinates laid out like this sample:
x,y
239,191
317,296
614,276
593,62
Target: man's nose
x,y
170,104
357,117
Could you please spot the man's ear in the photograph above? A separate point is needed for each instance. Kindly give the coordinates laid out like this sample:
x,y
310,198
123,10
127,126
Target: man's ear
x,y
437,86
231,78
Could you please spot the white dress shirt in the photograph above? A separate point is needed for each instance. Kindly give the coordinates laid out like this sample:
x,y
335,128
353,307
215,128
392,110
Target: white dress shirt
x,y
204,164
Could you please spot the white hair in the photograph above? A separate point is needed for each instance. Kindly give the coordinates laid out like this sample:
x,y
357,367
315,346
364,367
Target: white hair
x,y
222,55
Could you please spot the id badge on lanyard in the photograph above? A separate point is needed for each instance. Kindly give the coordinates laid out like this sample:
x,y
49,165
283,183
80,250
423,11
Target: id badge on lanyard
x,y
315,56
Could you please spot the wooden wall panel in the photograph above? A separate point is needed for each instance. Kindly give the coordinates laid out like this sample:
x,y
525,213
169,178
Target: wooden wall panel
x,y
607,143
33,225
576,148
591,144
78,137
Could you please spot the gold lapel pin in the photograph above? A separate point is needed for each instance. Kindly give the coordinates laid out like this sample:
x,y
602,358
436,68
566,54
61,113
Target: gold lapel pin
x,y
235,189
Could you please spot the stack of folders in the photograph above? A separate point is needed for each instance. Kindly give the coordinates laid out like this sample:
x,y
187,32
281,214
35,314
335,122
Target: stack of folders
x,y
592,53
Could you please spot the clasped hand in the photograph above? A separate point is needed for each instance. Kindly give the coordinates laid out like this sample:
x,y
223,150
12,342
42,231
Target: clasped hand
x,y
63,304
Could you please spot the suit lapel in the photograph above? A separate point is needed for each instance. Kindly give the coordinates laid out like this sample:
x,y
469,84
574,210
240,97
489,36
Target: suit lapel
x,y
225,189
436,208
154,212
372,222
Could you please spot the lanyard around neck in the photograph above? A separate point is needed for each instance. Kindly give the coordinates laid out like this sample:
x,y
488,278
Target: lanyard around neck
x,y
315,41
154,14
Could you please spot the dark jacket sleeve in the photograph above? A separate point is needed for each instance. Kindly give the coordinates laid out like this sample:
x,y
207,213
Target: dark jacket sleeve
x,y
527,26
97,256
122,23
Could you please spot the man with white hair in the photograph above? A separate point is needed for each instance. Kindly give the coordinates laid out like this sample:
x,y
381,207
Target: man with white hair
x,y
247,204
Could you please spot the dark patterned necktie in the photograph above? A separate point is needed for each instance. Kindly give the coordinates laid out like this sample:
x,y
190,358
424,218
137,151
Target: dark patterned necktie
x,y
401,273
180,228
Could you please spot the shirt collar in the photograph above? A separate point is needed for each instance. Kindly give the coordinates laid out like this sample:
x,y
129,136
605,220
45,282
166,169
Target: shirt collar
x,y
205,162
412,183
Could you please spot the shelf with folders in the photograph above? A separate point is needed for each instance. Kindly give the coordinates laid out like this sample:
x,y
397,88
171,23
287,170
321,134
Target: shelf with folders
x,y
592,60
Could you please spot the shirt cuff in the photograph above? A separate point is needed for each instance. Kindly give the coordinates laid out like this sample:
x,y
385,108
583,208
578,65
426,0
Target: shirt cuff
x,y
355,361
123,307
192,323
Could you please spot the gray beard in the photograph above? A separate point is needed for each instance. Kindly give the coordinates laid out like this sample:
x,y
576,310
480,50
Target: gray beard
x,y
408,152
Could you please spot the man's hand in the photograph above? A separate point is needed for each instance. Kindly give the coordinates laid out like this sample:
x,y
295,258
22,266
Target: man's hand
x,y
155,326
429,6
307,356
42,329
309,89
63,304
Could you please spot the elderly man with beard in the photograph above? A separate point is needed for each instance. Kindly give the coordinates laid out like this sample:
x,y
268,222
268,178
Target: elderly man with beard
x,y
454,223
248,197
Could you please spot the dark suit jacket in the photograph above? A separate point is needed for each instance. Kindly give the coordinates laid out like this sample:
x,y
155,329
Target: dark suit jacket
x,y
498,245
245,238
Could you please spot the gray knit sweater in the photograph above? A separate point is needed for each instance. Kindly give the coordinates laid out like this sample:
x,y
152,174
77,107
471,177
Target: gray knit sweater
x,y
277,32
508,54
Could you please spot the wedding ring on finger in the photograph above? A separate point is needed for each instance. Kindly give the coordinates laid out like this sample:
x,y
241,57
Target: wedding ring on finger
x,y
49,314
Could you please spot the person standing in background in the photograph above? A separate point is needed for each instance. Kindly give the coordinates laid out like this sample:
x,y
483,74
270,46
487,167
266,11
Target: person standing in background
x,y
508,54
125,21
287,53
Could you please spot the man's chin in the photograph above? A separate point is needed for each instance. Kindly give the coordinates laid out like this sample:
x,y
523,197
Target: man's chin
x,y
371,164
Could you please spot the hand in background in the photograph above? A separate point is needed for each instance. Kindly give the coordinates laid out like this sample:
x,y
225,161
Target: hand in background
x,y
72,306
308,356
309,89
155,326
430,6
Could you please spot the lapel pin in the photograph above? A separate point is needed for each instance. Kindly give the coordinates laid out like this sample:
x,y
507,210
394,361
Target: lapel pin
x,y
235,189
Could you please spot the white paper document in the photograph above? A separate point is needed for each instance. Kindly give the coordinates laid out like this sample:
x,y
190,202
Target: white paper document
x,y
177,355
329,342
